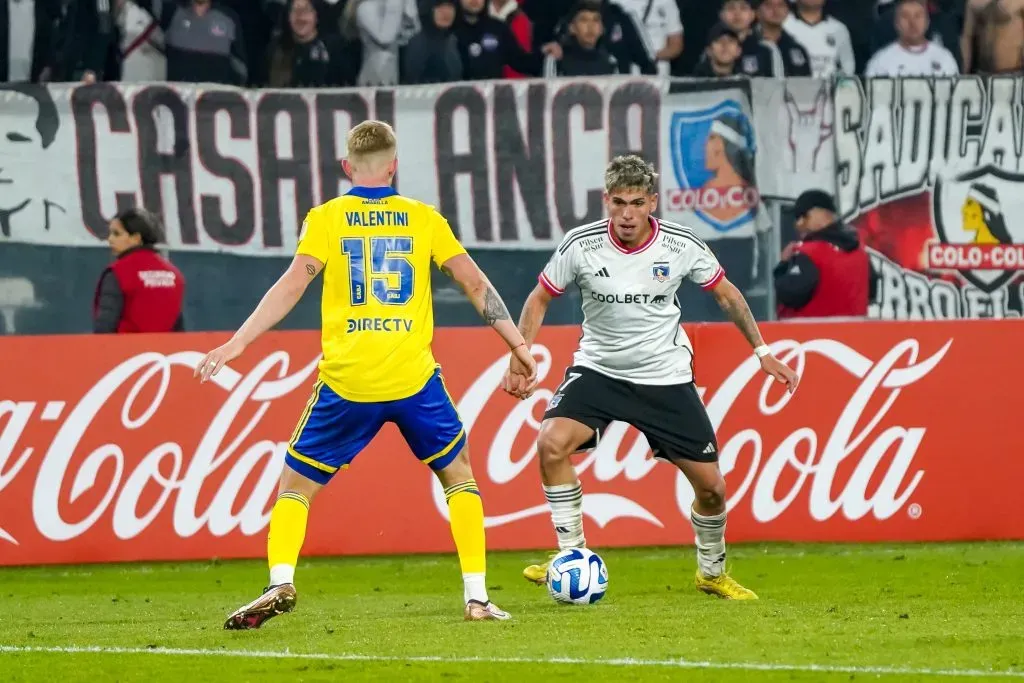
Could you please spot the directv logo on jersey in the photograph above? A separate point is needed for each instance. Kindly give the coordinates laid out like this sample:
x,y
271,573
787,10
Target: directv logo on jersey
x,y
660,271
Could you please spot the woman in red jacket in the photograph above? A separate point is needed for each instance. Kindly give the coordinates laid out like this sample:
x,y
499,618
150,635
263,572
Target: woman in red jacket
x,y
141,291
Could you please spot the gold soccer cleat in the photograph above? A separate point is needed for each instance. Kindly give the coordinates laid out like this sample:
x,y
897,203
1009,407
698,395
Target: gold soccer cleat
x,y
538,573
275,600
723,586
485,611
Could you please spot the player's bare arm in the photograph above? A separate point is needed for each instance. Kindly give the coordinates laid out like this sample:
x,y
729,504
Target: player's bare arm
x,y
731,301
279,300
488,303
530,321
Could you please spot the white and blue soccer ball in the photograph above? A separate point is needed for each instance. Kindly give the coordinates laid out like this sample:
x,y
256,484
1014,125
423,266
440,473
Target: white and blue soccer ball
x,y
577,577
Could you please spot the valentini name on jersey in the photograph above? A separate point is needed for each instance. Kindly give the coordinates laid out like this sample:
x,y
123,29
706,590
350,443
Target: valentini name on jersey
x,y
631,317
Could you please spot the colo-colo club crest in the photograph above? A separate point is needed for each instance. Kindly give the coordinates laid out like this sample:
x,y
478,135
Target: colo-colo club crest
x,y
930,172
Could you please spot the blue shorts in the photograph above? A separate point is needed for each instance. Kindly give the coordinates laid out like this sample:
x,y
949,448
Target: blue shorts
x,y
333,430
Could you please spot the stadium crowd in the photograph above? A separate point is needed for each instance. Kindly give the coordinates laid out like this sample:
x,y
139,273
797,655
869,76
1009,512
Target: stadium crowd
x,y
317,43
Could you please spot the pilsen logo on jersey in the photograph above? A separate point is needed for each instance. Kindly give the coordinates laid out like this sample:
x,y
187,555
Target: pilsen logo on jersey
x,y
931,175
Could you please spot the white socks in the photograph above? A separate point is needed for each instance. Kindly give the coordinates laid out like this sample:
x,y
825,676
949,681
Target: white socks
x,y
566,501
475,587
710,541
282,573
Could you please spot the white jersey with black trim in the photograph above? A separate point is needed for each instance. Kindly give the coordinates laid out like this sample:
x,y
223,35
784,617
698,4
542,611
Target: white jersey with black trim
x,y
631,318
827,42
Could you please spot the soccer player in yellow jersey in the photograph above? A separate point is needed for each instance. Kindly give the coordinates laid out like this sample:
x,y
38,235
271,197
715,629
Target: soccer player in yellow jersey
x,y
374,247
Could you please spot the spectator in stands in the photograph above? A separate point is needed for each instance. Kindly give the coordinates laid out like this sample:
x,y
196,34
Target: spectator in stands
x,y
300,57
826,39
205,43
487,45
383,26
912,54
432,56
141,44
789,58
582,52
827,273
755,58
722,55
26,39
943,27
624,37
509,12
88,41
664,30
859,18
993,37
141,291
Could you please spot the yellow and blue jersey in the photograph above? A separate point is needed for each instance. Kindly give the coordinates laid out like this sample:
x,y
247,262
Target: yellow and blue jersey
x,y
378,323
378,317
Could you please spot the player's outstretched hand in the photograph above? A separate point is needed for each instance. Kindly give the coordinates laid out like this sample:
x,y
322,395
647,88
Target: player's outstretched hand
x,y
521,378
218,358
780,371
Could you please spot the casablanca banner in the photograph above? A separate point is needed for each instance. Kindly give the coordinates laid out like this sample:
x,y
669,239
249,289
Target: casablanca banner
x,y
115,453
930,173
511,164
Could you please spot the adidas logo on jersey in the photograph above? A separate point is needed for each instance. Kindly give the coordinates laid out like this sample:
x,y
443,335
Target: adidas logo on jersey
x,y
602,273
710,448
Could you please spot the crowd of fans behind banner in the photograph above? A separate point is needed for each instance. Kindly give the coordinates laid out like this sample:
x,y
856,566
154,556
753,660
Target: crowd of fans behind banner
x,y
329,43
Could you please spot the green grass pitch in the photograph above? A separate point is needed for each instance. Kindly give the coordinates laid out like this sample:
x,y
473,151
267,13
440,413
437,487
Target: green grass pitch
x,y
827,613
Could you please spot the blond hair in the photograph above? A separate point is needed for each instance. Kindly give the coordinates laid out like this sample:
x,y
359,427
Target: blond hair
x,y
630,172
371,146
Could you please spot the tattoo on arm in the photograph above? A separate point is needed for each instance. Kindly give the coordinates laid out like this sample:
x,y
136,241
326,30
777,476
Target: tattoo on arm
x,y
310,270
737,310
494,307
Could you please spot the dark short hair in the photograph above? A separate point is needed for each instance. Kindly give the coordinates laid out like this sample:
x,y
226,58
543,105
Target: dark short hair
x,y
48,119
144,223
585,6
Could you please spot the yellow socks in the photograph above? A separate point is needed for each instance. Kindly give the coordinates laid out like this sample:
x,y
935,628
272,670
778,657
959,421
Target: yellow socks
x,y
287,531
466,510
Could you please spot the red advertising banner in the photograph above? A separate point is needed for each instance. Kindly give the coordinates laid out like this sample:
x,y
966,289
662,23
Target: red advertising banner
x,y
110,451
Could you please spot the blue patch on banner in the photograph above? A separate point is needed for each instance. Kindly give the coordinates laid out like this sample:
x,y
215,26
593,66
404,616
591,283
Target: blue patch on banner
x,y
713,163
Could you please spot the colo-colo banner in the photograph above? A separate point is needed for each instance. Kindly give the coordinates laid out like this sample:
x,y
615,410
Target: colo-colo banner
x,y
511,165
98,464
930,173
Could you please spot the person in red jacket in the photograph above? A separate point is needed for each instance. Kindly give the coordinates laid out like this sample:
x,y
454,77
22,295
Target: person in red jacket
x,y
520,25
141,291
827,273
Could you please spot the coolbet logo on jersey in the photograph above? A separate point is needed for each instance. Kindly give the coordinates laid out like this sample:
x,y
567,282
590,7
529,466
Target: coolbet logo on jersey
x,y
713,164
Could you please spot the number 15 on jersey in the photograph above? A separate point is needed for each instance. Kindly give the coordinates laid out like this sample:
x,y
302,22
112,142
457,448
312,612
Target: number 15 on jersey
x,y
391,275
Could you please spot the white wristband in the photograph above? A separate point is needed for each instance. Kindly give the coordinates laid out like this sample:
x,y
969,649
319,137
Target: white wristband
x,y
762,351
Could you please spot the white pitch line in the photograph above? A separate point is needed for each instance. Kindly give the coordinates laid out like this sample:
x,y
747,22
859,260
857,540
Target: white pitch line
x,y
620,662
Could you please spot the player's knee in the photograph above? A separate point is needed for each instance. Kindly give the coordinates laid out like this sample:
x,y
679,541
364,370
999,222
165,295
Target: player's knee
x,y
553,444
712,495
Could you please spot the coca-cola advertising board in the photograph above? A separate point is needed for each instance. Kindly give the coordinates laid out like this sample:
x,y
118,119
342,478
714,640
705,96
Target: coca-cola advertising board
x,y
111,451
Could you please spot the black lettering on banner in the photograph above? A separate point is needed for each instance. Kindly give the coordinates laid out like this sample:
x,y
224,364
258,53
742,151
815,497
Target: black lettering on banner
x,y
150,109
647,99
211,206
328,106
588,98
384,110
275,167
452,164
519,162
83,104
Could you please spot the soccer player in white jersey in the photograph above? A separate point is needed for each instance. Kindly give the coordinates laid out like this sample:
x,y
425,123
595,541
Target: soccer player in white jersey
x,y
634,362
912,54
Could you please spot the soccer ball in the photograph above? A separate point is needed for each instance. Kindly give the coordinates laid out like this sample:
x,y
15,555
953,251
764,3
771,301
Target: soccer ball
x,y
577,577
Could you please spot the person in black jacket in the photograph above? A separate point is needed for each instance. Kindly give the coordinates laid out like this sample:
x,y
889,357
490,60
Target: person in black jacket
x,y
755,58
722,55
623,37
205,41
789,58
582,52
432,55
487,45
300,57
